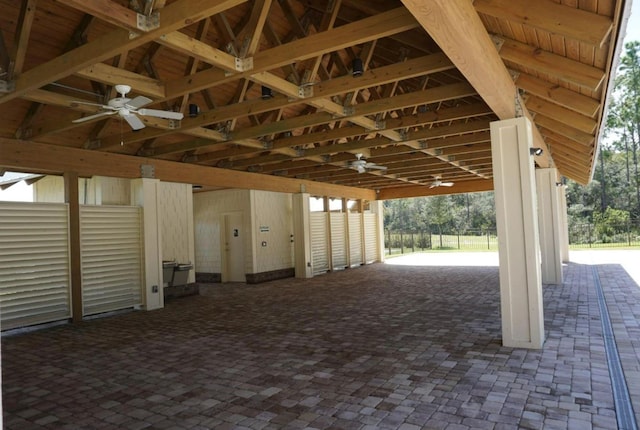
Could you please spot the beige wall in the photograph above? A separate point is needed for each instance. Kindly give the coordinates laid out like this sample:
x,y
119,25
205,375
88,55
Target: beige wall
x,y
176,222
208,209
267,217
272,223
98,190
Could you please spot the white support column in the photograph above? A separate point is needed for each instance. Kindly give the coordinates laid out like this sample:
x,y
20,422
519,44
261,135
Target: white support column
x,y
378,209
549,225
564,224
518,243
302,236
144,193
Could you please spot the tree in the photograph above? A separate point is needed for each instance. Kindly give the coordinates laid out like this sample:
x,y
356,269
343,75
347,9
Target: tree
x,y
623,124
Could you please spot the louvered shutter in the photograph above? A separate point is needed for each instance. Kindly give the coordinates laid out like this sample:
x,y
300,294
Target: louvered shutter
x,y
34,263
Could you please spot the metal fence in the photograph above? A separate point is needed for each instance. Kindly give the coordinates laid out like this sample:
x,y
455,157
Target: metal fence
x,y
605,235
599,235
398,242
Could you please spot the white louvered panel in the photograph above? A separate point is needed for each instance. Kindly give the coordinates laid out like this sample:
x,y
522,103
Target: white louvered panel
x,y
338,240
111,246
370,238
319,245
355,239
34,264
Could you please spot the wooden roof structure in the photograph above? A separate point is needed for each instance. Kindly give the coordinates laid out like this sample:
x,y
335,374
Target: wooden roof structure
x,y
434,75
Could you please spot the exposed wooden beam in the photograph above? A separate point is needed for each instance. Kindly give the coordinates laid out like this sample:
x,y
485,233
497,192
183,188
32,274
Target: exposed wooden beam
x,y
555,18
37,157
175,16
442,19
472,186
385,24
110,75
254,27
569,117
25,21
109,11
562,68
559,127
558,94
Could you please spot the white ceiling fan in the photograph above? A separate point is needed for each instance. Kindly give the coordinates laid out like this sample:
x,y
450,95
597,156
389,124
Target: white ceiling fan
x,y
362,165
438,183
127,109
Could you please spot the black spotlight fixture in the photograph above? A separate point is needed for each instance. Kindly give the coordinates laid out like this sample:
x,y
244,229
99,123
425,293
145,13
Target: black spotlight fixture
x,y
535,151
266,93
194,110
357,69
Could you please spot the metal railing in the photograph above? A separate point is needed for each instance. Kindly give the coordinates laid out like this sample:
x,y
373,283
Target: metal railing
x,y
605,234
588,235
400,242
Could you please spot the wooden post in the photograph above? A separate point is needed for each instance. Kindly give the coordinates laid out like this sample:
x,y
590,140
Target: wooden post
x,y
71,197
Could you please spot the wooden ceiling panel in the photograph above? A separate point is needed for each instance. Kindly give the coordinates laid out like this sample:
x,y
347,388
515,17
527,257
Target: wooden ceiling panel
x,y
412,110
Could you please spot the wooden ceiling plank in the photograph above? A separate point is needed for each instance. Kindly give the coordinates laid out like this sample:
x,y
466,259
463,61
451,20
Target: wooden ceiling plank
x,y
555,18
562,68
23,32
175,16
569,117
558,94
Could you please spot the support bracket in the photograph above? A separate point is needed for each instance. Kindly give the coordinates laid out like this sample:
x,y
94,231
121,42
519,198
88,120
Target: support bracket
x,y
7,86
147,171
244,64
148,23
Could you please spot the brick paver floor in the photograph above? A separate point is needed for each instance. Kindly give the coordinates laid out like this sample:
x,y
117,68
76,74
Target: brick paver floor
x,y
377,347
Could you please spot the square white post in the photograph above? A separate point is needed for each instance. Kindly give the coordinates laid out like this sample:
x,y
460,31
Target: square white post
x,y
302,236
564,224
144,193
518,244
549,225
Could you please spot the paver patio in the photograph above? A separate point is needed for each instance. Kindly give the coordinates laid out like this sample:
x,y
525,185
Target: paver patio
x,y
376,347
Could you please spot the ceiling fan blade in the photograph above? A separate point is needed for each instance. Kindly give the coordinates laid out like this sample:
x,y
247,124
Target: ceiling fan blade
x,y
433,185
78,102
138,102
375,166
446,184
134,121
360,169
167,114
94,116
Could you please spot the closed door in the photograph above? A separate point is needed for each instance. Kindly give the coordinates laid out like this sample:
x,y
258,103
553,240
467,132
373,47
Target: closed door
x,y
233,267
